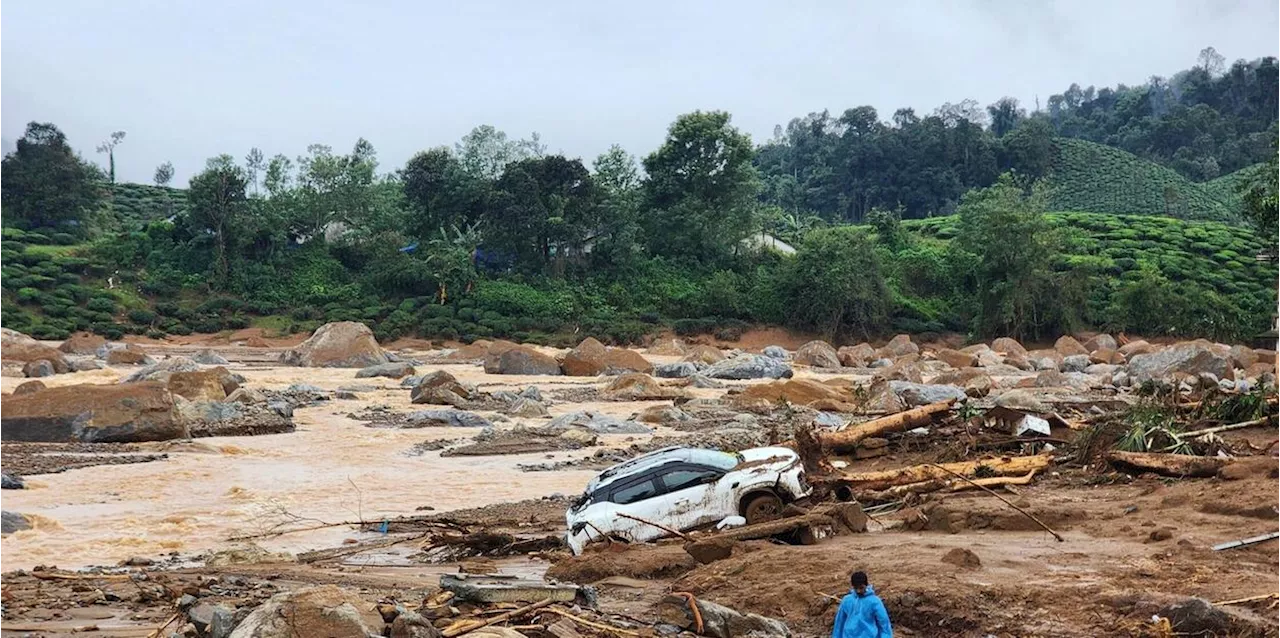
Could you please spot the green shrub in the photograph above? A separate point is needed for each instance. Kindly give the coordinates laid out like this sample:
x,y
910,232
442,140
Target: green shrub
x,y
99,304
145,317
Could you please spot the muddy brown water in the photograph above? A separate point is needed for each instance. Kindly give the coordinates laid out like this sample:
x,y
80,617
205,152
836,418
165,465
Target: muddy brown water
x,y
331,469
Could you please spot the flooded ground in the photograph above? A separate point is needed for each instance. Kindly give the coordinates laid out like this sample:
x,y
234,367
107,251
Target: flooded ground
x,y
332,469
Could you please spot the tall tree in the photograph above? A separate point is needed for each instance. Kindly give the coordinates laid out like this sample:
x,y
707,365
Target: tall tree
x,y
1005,115
1260,206
543,209
45,182
254,163
109,147
217,205
164,174
701,187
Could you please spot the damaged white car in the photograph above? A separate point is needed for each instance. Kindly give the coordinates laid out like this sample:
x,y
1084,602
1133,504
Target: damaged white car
x,y
684,488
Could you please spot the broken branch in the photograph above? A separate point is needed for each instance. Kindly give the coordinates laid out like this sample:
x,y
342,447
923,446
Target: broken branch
x,y
587,623
1007,502
452,632
1168,464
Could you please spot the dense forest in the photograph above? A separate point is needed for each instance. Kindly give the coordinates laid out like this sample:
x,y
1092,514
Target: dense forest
x,y
1150,209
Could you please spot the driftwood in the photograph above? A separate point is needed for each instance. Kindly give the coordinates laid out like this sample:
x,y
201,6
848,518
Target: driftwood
x,y
950,485
1168,464
664,528
850,437
468,627
1226,428
880,480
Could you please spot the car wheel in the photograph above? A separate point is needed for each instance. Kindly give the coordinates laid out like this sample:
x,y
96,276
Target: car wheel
x,y
762,508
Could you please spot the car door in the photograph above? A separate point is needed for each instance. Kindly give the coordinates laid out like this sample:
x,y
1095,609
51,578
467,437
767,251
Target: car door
x,y
691,491
641,497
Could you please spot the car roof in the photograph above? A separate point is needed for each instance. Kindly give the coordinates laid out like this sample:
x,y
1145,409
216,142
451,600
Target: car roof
x,y
700,456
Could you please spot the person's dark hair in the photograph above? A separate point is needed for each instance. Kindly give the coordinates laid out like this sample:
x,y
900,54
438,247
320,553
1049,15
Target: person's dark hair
x,y
858,579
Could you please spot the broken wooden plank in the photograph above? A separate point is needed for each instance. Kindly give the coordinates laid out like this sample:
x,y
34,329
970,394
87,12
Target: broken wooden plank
x,y
1180,465
1246,541
848,438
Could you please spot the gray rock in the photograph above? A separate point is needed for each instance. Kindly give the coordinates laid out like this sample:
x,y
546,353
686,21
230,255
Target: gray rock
x,y
704,382
447,418
1120,378
11,522
106,348
776,352
304,388
1044,363
882,362
749,367
1075,363
388,370
161,371
722,622
411,381
208,411
526,407
677,370
914,394
1190,358
830,420
85,365
223,621
1022,400
357,387
11,482
1101,369
247,396
345,395
597,423
1208,379
314,611
283,408
532,392
38,369
209,358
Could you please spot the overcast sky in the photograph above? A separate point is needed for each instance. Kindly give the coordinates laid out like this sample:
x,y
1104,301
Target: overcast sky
x,y
188,80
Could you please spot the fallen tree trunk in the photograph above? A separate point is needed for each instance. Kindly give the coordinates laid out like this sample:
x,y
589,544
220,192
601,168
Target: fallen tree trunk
x,y
1181,465
848,438
833,518
880,480
951,485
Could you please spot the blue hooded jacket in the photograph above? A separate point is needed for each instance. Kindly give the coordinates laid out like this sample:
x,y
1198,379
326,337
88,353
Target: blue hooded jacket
x,y
862,617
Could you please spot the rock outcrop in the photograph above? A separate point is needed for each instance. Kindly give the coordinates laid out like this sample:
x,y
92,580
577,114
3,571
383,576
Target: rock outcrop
x,y
15,346
342,344
749,367
519,360
117,413
818,354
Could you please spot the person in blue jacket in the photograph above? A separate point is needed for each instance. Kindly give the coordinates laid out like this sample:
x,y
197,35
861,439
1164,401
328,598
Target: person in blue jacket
x,y
861,614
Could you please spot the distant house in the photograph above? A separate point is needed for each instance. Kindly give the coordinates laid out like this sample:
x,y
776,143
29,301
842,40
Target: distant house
x,y
763,241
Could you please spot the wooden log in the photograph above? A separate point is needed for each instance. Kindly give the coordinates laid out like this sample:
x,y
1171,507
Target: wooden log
x,y
459,629
880,480
848,438
951,485
1181,465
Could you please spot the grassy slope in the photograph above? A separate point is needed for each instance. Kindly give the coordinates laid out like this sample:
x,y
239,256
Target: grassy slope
x,y
1102,179
133,205
1213,255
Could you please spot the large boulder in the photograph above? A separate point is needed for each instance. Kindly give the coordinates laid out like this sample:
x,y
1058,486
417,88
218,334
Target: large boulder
x,y
1188,358
202,385
586,360
818,354
1023,400
904,369
520,360
11,522
1008,346
474,351
130,355
15,346
441,388
749,367
1135,348
677,370
38,368
123,413
82,343
1243,356
856,356
718,621
327,610
446,418
898,346
595,422
805,392
703,354
956,358
342,344
914,394
777,352
162,370
623,360
637,386
1101,341
27,387
668,347
1066,345
389,370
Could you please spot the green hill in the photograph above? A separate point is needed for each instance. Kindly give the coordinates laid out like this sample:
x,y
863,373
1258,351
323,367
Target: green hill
x,y
1104,179
133,205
